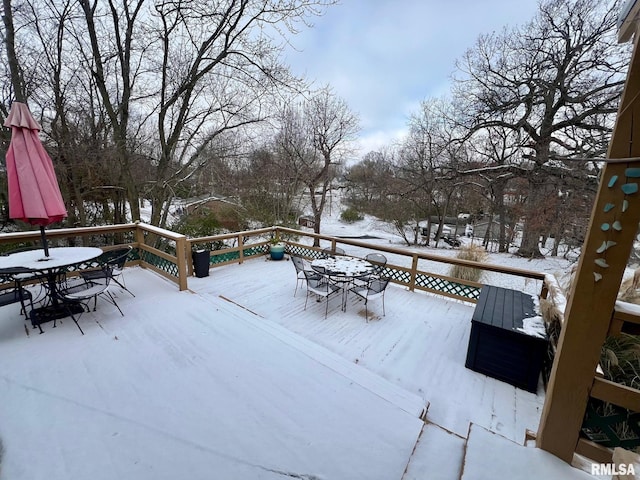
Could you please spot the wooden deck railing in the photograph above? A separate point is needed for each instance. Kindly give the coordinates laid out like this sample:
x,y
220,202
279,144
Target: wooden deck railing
x,y
169,253
170,261
415,275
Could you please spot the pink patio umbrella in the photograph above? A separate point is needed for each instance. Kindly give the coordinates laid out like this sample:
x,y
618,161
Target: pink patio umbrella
x,y
34,194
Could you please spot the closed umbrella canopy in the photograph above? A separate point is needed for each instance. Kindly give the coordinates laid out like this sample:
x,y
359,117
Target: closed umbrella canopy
x,y
34,194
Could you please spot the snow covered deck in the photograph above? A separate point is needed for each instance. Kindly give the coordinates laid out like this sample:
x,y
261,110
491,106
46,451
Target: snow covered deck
x,y
236,381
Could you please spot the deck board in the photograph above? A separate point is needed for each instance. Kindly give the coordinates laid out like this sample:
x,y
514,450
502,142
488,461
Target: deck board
x,y
420,344
188,386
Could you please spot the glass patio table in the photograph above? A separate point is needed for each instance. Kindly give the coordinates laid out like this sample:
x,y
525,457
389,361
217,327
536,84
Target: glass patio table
x,y
50,267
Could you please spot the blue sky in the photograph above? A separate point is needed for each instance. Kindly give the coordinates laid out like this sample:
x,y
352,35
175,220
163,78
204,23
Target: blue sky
x,y
385,56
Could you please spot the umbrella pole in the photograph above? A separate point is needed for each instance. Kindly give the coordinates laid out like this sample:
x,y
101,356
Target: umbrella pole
x,y
45,245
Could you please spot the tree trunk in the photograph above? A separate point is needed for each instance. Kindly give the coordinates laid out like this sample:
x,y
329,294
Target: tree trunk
x,y
537,218
14,67
487,233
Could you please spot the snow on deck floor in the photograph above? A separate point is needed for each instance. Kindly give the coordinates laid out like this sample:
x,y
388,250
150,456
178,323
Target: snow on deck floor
x,y
492,456
186,387
420,345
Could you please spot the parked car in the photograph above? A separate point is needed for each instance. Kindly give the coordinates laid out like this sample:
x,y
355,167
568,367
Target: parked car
x,y
451,240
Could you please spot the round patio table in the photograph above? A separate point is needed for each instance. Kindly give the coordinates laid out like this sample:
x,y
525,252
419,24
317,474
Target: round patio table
x,y
341,270
49,267
58,257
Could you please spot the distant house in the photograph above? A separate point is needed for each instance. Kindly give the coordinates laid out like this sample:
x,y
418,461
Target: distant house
x,y
306,221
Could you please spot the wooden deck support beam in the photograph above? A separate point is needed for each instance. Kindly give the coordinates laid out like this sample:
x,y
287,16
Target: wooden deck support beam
x,y
614,218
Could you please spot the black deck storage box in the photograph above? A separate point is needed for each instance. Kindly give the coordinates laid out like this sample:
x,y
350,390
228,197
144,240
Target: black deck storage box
x,y
497,347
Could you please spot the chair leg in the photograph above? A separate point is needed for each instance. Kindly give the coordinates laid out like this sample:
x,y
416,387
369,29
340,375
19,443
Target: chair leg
x,y
326,308
23,310
77,324
383,312
73,317
113,301
123,286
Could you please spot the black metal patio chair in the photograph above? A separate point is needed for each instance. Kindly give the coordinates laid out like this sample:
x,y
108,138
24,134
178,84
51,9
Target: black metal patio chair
x,y
318,285
24,276
379,261
15,293
81,292
375,288
301,265
113,262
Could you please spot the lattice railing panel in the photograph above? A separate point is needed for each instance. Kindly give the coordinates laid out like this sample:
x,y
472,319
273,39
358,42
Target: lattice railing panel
x,y
398,276
161,263
301,251
447,286
255,251
223,257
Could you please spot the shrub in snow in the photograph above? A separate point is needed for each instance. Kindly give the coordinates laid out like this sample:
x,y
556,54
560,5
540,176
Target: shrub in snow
x,y
471,252
350,215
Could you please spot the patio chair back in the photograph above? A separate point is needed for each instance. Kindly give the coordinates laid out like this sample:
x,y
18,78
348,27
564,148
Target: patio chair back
x,y
21,275
374,289
319,285
82,292
301,265
113,262
378,260
17,293
298,262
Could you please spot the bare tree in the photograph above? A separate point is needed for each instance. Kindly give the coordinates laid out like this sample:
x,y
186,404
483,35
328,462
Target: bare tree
x,y
428,157
162,79
315,140
555,83
112,57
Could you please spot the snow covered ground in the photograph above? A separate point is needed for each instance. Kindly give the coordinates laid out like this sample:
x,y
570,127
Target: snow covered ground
x,y
380,233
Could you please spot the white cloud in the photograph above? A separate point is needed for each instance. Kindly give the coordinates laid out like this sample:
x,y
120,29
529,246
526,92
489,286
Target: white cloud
x,y
385,57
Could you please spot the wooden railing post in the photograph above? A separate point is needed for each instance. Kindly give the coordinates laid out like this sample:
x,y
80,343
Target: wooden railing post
x,y
241,247
182,253
414,272
188,250
139,235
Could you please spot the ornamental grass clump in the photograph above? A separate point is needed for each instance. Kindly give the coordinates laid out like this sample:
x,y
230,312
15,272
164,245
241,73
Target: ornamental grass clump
x,y
620,363
471,252
620,359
